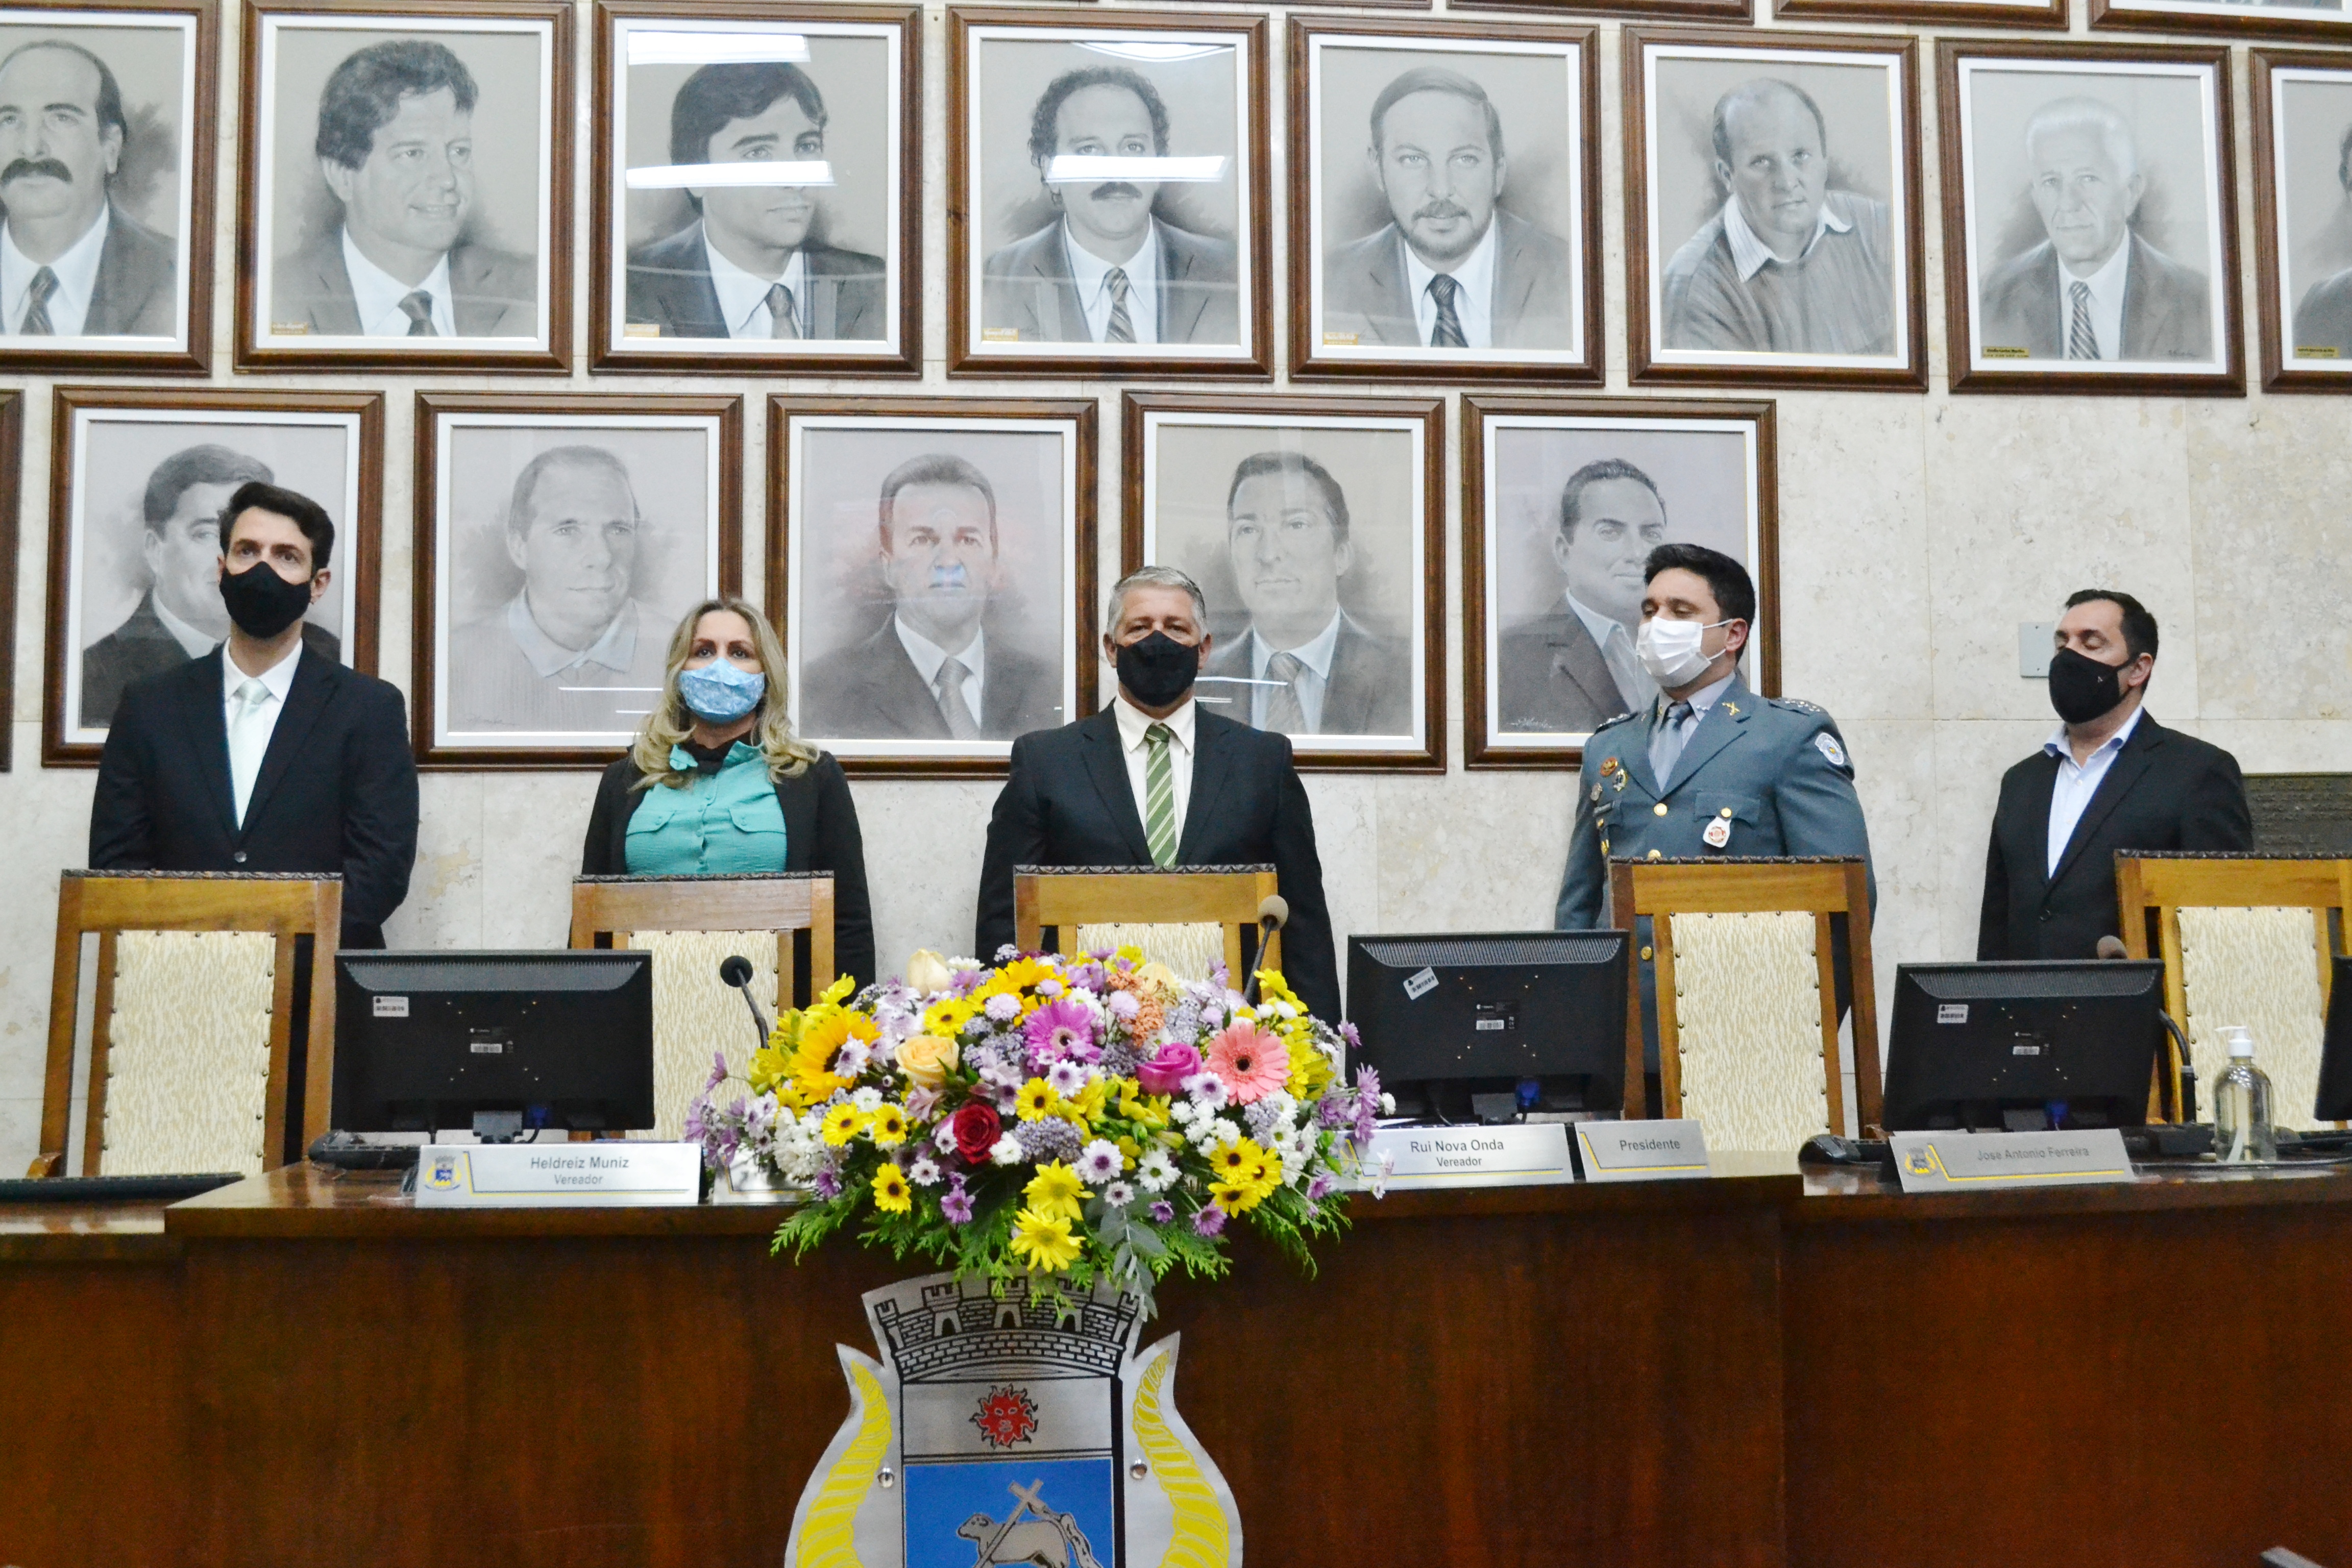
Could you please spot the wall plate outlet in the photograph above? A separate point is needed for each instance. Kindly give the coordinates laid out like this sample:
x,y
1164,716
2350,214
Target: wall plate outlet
x,y
2034,646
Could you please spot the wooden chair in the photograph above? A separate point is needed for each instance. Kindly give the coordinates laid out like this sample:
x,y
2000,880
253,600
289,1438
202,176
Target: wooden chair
x,y
1748,1011
781,921
192,1029
1165,911
2245,939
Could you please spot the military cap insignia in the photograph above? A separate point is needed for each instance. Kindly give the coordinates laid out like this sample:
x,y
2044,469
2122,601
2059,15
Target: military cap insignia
x,y
1826,743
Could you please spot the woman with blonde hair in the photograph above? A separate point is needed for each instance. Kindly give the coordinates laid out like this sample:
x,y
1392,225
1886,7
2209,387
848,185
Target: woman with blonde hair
x,y
718,786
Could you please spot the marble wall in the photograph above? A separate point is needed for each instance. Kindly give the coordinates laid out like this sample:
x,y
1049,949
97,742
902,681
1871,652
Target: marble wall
x,y
1915,533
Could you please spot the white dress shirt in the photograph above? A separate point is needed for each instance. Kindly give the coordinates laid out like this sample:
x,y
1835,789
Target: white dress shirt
x,y
76,272
1134,724
378,294
1749,253
615,647
2106,302
1311,682
248,741
195,642
2076,783
1617,651
1090,273
1474,301
743,296
928,656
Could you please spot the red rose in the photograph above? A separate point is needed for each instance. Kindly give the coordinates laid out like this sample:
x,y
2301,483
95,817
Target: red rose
x,y
977,1129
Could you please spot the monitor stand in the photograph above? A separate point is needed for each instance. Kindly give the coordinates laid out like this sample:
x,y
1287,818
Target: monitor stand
x,y
497,1126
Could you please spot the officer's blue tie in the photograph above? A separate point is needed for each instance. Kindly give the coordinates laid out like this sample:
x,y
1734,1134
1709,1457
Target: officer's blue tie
x,y
1667,742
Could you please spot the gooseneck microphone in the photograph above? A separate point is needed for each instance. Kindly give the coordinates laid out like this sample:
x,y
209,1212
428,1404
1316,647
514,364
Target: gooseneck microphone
x,y
2112,947
736,970
1273,914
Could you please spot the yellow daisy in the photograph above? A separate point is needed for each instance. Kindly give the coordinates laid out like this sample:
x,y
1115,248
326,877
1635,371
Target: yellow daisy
x,y
1037,1100
1056,1190
1088,1105
1239,1162
889,1127
842,1123
1235,1197
891,1193
1044,1241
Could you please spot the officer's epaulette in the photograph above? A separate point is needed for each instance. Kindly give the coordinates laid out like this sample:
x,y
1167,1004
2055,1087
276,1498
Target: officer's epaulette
x,y
1611,723
1799,705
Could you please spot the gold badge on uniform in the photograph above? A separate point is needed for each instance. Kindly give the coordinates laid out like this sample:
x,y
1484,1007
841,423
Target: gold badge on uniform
x,y
1608,766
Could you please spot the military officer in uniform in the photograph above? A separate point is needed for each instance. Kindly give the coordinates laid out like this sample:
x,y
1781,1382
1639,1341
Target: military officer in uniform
x,y
1708,769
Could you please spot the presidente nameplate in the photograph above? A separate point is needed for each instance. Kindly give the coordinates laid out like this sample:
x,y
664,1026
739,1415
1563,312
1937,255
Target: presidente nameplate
x,y
1531,1154
1641,1151
1982,1161
558,1176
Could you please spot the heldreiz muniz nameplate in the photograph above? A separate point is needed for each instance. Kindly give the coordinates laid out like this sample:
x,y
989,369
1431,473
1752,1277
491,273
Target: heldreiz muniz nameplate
x,y
558,1176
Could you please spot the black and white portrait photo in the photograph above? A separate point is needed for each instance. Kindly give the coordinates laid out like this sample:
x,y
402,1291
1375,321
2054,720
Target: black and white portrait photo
x,y
101,152
404,201
2306,236
1781,193
1111,194
933,576
2095,199
755,199
1444,182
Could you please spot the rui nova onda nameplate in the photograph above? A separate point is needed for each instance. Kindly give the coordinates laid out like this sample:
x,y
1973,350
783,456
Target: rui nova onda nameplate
x,y
1007,1431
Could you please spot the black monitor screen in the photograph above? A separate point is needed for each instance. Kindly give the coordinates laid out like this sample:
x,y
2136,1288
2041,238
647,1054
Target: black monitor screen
x,y
425,1041
2023,1047
2336,1055
1538,1015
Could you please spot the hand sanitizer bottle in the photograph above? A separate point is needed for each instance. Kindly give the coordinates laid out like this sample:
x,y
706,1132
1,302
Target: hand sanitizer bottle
x,y
2242,1105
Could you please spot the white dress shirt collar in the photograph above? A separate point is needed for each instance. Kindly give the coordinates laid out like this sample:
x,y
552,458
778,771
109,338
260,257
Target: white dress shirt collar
x,y
196,643
76,272
377,294
1088,272
1316,654
2107,301
743,296
1704,698
928,656
2058,746
278,677
1474,301
2075,783
615,648
1602,626
248,743
1749,254
1134,723
1134,727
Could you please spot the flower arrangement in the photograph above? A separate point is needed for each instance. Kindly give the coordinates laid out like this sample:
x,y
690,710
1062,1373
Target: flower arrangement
x,y
1050,1120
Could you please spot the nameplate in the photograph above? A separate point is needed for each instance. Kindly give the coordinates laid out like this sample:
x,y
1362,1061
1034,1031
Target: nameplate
x,y
1532,1155
1981,1162
558,1176
1641,1151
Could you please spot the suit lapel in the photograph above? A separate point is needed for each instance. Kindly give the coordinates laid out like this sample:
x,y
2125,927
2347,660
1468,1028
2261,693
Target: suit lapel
x,y
109,286
1069,322
1106,765
2037,824
825,304
2041,327
2121,775
335,301
1397,322
1719,729
306,699
473,314
1208,770
1635,758
203,712
1515,281
1346,703
1578,657
904,699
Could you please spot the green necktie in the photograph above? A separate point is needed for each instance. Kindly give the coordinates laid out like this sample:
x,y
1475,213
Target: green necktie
x,y
1160,795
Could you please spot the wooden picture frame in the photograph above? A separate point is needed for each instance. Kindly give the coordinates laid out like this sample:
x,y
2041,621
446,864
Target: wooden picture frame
x,y
1361,711
299,309
1695,315
1569,250
1532,669
1720,13
183,451
12,454
863,311
569,695
2158,340
1938,14
1034,292
2293,302
2269,19
857,691
124,289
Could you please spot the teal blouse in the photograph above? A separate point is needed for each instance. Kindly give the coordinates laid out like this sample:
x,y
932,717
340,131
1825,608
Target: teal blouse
x,y
721,824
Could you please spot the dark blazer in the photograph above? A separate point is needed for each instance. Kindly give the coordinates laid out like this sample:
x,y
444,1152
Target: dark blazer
x,y
871,689
2165,307
2164,791
1027,286
491,294
1553,679
1365,288
820,835
1069,803
337,790
2323,319
670,287
136,293
1369,692
142,646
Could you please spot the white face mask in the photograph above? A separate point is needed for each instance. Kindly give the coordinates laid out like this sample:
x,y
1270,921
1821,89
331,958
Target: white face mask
x,y
1672,651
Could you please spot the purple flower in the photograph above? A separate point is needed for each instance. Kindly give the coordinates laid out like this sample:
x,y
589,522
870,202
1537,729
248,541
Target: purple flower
x,y
1320,1187
1123,1006
828,1185
1049,1139
1007,954
1368,1104
1210,1221
1162,1211
1348,1033
1334,1111
1067,1078
1208,1090
1003,1007
695,1131
1060,1031
717,1071
1100,1162
964,982
955,1204
1089,976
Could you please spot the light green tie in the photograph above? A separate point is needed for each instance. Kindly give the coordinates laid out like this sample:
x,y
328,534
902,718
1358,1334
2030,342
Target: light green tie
x,y
1160,795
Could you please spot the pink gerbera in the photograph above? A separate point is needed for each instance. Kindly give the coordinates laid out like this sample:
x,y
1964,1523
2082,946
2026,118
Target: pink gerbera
x,y
1251,1064
1061,1031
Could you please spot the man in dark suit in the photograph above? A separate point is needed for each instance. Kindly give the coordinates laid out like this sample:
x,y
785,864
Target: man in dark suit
x,y
256,757
2112,780
2322,318
747,267
1154,780
1451,270
2094,290
936,669
395,145
1573,667
1107,271
72,264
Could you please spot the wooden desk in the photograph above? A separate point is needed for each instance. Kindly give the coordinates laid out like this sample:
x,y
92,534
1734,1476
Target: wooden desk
x,y
1750,1370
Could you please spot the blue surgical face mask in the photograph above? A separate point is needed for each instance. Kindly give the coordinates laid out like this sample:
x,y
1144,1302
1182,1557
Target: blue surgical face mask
x,y
719,693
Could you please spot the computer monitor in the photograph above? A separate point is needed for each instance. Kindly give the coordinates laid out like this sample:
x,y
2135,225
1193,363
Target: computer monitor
x,y
2336,1053
499,1042
2023,1047
1483,1026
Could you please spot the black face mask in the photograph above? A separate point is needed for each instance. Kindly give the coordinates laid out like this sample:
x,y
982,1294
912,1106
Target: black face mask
x,y
2080,688
260,602
1158,670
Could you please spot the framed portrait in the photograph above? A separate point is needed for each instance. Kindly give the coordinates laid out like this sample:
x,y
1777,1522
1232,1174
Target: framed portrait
x,y
12,449
137,480
932,565
2302,222
406,192
559,541
1106,207
1315,528
2090,218
703,257
107,140
1562,501
1772,228
2313,19
1445,201
1932,13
